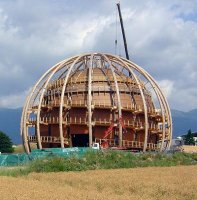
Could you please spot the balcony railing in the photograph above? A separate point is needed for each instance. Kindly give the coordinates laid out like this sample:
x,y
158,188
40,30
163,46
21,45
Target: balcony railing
x,y
154,112
102,104
47,139
132,144
137,125
127,144
49,120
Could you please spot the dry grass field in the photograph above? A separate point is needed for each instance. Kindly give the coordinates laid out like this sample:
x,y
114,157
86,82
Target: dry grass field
x,y
140,184
189,149
20,149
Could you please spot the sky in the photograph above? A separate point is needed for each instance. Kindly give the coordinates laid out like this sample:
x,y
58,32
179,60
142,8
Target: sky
x,y
161,37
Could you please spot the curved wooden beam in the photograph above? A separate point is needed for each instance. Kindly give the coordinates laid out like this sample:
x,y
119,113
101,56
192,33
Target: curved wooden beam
x,y
118,97
40,103
24,128
62,99
163,98
90,99
143,99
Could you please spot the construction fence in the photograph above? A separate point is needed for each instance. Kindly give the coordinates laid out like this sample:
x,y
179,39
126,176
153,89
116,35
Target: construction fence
x,y
23,158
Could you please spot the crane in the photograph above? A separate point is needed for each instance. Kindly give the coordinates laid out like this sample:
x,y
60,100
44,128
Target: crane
x,y
123,31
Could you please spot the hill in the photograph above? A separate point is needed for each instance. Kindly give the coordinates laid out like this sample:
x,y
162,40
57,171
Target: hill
x,y
10,122
183,121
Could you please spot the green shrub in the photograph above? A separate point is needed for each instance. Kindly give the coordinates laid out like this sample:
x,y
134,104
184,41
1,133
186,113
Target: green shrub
x,y
5,143
110,160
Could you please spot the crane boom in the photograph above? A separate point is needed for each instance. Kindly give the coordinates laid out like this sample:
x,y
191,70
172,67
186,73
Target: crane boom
x,y
123,31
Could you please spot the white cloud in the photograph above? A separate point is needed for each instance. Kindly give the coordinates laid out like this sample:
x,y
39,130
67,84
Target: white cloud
x,y
166,87
162,38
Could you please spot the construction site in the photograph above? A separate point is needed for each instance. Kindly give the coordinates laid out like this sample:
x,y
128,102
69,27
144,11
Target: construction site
x,y
98,119
97,100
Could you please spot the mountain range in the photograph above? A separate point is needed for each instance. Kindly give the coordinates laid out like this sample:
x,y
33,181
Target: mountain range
x,y
10,122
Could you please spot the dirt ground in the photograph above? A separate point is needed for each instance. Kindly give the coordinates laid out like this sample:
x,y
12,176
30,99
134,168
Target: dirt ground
x,y
172,183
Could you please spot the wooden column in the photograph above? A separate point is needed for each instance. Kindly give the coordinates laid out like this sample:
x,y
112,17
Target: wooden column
x,y
24,137
90,99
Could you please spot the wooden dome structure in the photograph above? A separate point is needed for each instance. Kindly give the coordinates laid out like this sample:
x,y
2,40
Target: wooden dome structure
x,y
96,97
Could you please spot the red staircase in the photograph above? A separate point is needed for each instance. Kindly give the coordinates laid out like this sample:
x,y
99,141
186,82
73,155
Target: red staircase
x,y
109,130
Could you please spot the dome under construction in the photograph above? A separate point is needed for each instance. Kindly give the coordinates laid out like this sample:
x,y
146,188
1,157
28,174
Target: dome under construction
x,y
96,98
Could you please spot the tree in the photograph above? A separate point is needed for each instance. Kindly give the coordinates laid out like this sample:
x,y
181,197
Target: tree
x,y
189,140
5,143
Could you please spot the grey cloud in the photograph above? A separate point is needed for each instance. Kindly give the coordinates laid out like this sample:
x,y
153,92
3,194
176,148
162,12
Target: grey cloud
x,y
34,35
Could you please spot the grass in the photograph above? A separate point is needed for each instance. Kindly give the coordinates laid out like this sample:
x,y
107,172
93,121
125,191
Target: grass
x,y
14,171
152,183
101,160
111,160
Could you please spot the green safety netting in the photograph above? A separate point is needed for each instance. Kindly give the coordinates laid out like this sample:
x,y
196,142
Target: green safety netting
x,y
23,158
